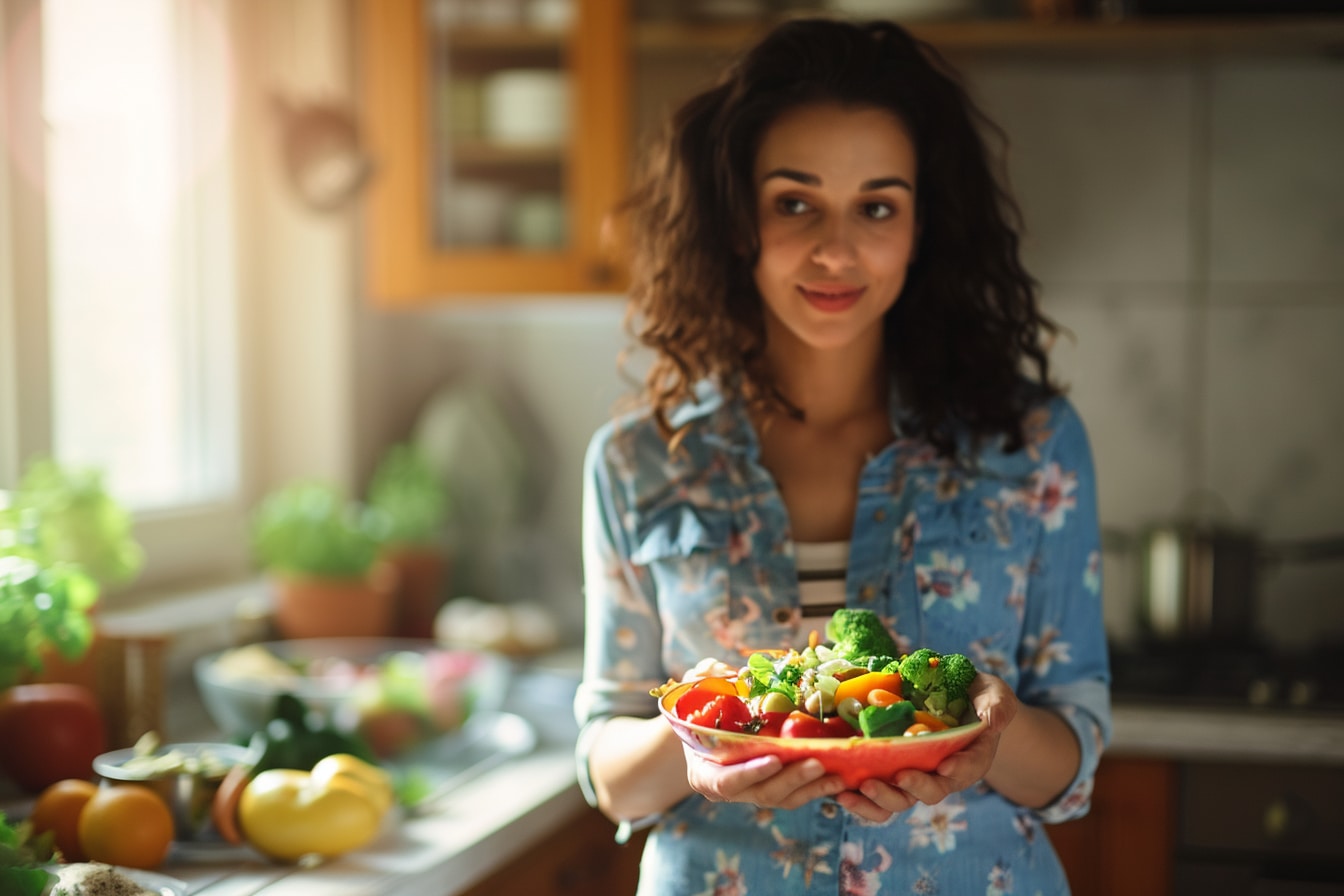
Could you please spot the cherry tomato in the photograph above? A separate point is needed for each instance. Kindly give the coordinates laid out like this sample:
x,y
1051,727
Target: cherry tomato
x,y
838,727
727,712
800,724
701,693
771,723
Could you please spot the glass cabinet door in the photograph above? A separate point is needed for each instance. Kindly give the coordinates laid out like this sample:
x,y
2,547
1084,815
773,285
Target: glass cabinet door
x,y
498,131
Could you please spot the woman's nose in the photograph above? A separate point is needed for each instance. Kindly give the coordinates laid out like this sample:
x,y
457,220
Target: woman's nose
x,y
835,246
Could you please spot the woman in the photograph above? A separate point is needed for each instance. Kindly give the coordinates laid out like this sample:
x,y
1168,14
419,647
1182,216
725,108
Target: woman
x,y
849,377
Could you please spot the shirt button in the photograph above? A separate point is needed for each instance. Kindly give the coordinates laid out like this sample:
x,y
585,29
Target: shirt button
x,y
867,592
829,808
782,615
880,514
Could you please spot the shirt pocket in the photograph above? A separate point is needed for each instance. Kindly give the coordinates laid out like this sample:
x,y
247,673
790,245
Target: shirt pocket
x,y
709,596
969,574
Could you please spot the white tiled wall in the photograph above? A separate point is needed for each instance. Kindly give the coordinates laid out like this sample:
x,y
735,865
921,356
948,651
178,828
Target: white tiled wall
x,y
1186,221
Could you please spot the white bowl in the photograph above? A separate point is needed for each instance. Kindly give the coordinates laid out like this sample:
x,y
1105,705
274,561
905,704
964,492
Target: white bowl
x,y
350,682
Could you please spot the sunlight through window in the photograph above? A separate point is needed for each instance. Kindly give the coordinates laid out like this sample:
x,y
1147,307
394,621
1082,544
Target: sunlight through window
x,y
136,108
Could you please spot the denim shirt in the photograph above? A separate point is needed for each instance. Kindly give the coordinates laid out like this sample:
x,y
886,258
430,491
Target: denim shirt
x,y
996,555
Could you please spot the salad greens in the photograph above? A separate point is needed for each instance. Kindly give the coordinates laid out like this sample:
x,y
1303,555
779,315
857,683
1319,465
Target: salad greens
x,y
22,857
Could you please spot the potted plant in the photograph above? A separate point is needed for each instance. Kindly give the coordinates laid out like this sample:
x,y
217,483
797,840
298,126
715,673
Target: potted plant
x,y
322,552
414,501
62,537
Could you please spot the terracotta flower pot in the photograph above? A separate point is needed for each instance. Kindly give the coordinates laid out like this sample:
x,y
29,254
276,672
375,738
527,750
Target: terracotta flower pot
x,y
314,607
421,577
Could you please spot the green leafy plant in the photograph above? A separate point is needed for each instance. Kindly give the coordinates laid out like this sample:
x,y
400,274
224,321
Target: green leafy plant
x,y
64,514
62,538
22,857
314,529
411,496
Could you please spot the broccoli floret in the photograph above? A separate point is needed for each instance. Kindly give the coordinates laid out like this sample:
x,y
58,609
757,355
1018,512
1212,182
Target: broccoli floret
x,y
859,634
886,721
881,664
937,682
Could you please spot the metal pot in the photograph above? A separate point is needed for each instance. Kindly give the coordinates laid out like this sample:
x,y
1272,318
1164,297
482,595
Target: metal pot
x,y
1198,579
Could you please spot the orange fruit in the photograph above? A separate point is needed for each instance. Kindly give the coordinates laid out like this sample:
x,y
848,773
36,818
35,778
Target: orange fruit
x,y
57,809
127,824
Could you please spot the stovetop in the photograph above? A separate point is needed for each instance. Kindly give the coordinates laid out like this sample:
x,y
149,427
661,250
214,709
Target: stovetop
x,y
1241,674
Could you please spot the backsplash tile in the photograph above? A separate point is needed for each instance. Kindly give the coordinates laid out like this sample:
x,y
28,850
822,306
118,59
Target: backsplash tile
x,y
1098,156
1275,416
1125,366
1276,194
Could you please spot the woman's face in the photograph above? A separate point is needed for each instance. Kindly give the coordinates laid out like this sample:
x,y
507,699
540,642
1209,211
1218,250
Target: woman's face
x,y
835,190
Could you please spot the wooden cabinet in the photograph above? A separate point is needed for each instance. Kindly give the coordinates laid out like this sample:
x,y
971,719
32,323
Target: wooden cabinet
x,y
580,859
468,201
1126,843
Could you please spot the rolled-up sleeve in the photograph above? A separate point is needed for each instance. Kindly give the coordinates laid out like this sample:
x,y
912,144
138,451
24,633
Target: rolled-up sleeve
x,y
1064,663
622,632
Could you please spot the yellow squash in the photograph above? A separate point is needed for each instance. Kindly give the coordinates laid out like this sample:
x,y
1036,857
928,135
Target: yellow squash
x,y
335,808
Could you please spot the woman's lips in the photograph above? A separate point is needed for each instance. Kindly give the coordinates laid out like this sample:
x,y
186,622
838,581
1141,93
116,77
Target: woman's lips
x,y
831,298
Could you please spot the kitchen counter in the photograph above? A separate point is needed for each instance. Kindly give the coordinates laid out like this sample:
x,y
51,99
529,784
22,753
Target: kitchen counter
x,y
1228,735
484,825
496,818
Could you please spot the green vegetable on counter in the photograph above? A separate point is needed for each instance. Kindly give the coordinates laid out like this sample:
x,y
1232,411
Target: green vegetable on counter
x,y
21,859
296,738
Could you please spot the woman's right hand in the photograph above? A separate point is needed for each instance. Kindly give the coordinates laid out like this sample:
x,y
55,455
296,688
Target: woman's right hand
x,y
765,781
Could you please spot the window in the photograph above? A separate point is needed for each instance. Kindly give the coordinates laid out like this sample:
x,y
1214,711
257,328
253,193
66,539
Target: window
x,y
121,310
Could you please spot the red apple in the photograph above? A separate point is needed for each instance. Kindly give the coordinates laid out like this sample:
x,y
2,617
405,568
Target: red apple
x,y
50,732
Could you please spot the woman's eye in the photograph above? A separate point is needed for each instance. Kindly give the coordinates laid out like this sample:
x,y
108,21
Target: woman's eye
x,y
790,206
878,211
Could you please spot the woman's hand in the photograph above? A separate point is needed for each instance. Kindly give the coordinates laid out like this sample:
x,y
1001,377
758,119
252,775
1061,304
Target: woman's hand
x,y
766,781
996,705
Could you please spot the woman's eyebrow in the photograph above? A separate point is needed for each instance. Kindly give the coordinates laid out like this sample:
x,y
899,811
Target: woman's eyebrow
x,y
812,180
793,174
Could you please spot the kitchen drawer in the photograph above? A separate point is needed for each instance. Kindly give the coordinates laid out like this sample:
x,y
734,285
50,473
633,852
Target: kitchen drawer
x,y
1283,810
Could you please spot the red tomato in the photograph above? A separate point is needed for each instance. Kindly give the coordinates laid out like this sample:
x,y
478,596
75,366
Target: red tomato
x,y
800,724
51,731
771,723
701,693
838,727
727,712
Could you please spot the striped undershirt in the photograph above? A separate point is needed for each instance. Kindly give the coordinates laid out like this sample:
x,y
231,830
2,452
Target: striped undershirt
x,y
821,582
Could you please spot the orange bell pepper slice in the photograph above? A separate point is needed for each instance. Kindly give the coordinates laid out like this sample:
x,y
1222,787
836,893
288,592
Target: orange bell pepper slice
x,y
861,685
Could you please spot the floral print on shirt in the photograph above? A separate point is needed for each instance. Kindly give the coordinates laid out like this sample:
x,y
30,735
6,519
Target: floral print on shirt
x,y
688,555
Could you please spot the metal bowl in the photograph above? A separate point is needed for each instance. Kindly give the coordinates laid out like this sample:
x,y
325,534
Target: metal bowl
x,y
186,786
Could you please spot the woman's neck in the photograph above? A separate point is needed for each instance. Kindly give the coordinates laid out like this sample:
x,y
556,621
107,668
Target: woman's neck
x,y
832,387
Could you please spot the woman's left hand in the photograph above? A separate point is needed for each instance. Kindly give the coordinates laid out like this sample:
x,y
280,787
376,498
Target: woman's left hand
x,y
996,705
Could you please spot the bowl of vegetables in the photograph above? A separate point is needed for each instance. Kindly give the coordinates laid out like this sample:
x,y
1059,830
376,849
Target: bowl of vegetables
x,y
395,693
852,704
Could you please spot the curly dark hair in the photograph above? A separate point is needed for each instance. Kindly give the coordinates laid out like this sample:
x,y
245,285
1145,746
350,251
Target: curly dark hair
x,y
967,330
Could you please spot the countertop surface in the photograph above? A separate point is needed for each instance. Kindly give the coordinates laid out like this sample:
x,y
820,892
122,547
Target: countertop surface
x,y
494,819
